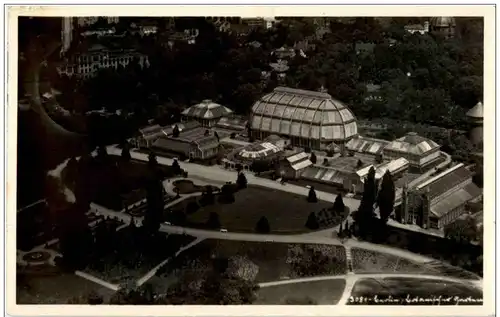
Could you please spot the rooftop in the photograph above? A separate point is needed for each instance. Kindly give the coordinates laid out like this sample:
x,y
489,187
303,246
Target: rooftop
x,y
393,166
476,112
303,113
183,126
457,198
444,181
233,123
207,109
259,150
412,143
367,145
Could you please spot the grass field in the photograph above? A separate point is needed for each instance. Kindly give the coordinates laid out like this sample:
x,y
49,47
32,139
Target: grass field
x,y
56,289
326,292
275,261
366,261
286,212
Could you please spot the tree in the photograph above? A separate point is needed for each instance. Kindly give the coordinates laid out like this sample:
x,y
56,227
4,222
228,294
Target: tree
x,y
338,205
207,132
462,231
359,164
326,162
102,153
152,162
227,194
232,135
311,197
176,132
126,152
313,158
386,196
262,225
365,214
312,221
213,221
176,167
207,198
242,181
154,205
217,136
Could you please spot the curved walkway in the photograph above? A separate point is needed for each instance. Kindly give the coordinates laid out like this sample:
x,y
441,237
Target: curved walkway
x,y
352,279
208,234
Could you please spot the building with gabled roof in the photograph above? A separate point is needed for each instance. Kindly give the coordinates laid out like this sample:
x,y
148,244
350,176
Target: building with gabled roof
x,y
293,165
192,144
367,145
441,199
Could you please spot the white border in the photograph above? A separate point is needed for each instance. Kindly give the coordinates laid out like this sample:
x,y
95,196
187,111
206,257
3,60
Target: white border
x,y
274,10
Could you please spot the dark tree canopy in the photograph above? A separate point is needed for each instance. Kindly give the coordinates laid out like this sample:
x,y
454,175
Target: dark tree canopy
x,y
241,181
312,221
262,225
386,196
311,197
365,211
313,158
213,221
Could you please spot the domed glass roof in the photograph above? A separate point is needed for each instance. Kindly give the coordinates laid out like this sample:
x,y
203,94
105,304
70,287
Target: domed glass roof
x,y
442,21
412,143
207,110
303,113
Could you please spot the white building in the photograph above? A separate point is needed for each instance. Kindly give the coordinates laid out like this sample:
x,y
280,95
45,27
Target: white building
x,y
87,21
418,28
86,65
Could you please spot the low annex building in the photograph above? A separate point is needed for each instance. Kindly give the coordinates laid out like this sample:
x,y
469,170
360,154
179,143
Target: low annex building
x,y
308,118
345,172
207,113
367,145
293,165
192,144
439,201
148,135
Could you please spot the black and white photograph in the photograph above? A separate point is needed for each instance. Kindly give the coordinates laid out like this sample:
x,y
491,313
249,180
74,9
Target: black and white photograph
x,y
252,160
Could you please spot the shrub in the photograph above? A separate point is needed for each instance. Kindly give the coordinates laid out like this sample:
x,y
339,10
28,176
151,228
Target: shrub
x,y
263,225
312,221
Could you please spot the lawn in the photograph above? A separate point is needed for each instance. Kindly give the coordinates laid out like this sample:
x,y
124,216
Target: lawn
x,y
327,292
286,212
273,261
399,289
366,261
56,289
131,258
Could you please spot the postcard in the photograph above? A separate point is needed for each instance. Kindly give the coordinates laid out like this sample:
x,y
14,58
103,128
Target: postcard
x,y
305,160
